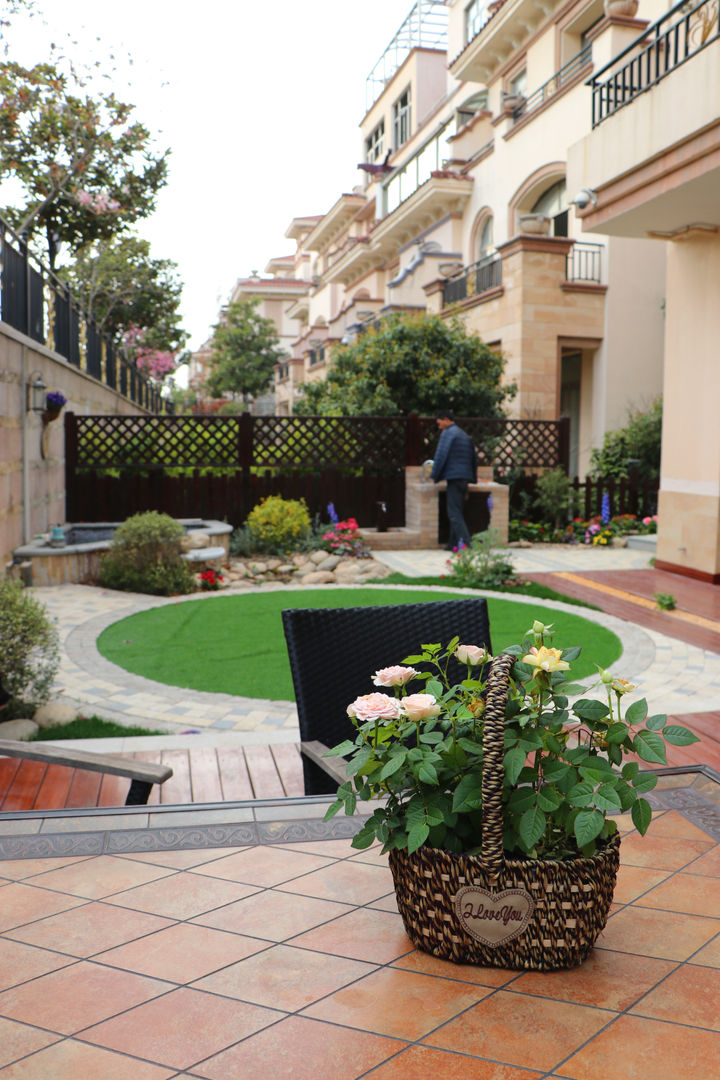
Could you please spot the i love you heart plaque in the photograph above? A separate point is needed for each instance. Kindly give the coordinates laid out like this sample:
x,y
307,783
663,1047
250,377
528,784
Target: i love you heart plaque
x,y
493,918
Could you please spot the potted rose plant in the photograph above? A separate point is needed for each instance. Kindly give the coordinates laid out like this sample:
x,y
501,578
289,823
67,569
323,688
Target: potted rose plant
x,y
497,795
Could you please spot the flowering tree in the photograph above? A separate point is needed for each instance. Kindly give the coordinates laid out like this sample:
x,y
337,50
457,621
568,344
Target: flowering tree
x,y
85,170
155,363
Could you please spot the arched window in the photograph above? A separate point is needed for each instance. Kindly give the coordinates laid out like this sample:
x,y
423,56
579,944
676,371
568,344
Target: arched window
x,y
553,203
486,244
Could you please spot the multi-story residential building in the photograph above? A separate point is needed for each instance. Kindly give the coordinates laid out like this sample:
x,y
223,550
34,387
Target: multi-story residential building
x,y
650,167
465,210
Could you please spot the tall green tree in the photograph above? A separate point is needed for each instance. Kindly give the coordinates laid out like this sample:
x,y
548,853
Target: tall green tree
x,y
85,170
245,348
410,363
121,287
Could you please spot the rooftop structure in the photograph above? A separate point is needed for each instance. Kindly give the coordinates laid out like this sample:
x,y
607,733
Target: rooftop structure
x,y
425,27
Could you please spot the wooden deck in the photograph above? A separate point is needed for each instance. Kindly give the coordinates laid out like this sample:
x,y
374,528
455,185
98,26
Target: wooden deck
x,y
209,775
200,775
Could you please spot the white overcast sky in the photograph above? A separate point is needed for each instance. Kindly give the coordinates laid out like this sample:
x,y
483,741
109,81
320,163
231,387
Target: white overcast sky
x,y
259,102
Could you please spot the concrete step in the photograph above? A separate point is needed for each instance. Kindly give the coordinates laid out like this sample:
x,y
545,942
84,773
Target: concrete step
x,y
647,542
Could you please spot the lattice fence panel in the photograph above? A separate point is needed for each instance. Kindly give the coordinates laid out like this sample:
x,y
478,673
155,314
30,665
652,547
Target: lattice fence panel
x,y
328,440
147,441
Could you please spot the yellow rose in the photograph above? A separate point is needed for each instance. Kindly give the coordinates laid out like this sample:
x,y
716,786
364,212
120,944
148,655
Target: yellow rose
x,y
545,659
622,686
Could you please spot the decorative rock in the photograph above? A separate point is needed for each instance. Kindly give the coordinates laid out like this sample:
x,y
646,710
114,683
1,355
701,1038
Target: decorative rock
x,y
273,563
256,568
22,730
318,577
285,568
619,541
318,556
54,715
329,563
299,559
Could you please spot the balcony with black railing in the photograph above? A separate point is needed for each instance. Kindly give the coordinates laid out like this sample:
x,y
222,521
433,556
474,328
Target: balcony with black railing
x,y
474,280
563,78
584,263
662,48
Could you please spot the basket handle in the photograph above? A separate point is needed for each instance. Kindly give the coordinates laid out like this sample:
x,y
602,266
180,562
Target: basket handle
x,y
493,772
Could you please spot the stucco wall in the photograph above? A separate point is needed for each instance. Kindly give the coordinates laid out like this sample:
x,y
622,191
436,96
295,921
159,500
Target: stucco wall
x,y
35,503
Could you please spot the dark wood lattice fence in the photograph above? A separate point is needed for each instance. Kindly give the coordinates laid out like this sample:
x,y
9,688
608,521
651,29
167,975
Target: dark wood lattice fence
x,y
221,466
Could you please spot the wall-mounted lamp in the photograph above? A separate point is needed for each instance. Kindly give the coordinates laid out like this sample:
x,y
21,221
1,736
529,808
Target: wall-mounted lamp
x,y
36,388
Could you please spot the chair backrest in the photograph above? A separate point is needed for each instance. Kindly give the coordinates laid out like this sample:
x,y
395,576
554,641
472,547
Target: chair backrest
x,y
334,653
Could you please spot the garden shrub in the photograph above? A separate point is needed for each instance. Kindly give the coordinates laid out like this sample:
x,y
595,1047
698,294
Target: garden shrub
x,y
29,655
145,557
553,497
278,524
639,440
479,566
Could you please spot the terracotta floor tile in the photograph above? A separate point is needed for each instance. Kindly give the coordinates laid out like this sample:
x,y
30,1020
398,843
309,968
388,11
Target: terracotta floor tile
x,y
71,999
518,1030
348,882
20,962
633,881
273,915
87,930
611,980
424,1063
300,1049
182,953
285,978
18,1040
331,849
674,824
181,860
99,877
691,995
70,1060
708,864
709,955
400,1004
182,1028
375,936
649,932
385,903
633,1047
21,869
263,865
661,852
183,895
690,893
21,904
370,855
431,965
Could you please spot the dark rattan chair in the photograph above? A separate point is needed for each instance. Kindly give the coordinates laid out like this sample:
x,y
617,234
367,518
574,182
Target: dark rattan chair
x,y
334,653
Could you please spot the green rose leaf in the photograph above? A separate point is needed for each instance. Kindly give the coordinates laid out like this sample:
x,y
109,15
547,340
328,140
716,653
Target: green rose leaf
x,y
607,798
630,770
332,809
521,799
637,712
350,804
361,758
572,653
554,771
626,795
431,737
649,746
641,814
590,709
656,723
531,827
581,794
677,735
392,766
588,824
513,763
468,795
616,733
417,836
548,798
344,748
427,773
644,782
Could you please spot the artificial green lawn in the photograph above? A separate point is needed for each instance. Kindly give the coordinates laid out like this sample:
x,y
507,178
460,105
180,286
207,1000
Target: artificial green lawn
x,y
235,644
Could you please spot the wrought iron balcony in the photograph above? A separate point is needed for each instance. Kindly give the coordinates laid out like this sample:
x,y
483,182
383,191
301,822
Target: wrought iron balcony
x,y
584,263
565,75
473,280
671,41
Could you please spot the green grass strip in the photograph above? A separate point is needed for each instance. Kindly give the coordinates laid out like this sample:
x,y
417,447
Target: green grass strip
x,y
528,588
90,727
235,644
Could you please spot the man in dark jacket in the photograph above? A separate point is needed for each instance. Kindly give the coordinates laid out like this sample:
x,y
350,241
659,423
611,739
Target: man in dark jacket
x,y
456,462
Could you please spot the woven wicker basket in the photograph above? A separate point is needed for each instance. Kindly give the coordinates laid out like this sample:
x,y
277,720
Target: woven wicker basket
x,y
498,912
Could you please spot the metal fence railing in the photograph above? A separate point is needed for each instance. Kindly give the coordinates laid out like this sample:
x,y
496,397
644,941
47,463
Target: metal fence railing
x,y
584,263
473,280
35,301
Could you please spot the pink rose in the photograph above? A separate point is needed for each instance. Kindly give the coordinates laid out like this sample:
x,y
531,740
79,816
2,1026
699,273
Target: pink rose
x,y
420,706
472,655
374,707
394,676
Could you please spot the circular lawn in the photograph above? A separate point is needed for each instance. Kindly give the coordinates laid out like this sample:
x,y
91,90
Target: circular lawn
x,y
235,644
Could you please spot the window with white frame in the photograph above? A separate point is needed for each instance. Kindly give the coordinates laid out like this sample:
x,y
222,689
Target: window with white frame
x,y
401,119
553,204
375,143
476,14
518,84
486,243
